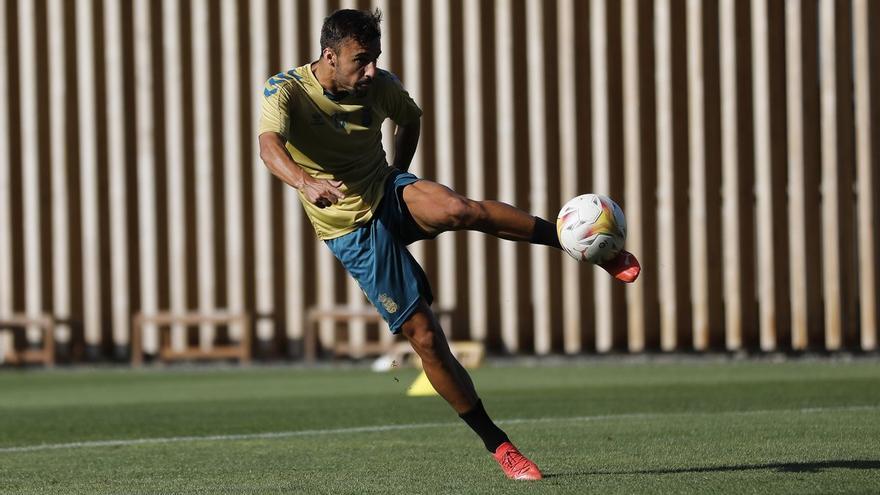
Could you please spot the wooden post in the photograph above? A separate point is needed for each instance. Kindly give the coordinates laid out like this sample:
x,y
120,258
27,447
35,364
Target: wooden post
x,y
177,255
571,280
665,177
259,73
540,262
763,176
31,157
6,285
88,164
730,177
633,168
797,222
830,187
59,153
232,176
204,168
444,151
697,171
294,296
866,178
474,166
146,163
506,169
601,157
118,165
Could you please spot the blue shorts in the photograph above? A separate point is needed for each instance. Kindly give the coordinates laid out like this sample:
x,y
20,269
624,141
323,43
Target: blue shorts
x,y
376,255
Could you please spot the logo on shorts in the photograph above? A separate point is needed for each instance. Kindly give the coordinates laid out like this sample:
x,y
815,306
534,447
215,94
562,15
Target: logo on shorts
x,y
389,303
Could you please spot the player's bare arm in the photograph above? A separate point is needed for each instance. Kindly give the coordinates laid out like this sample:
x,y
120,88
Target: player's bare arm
x,y
321,193
406,139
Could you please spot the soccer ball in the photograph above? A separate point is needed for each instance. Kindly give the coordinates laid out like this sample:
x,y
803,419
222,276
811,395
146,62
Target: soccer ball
x,y
592,228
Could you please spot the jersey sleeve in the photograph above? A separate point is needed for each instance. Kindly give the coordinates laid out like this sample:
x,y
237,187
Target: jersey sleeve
x,y
275,111
397,103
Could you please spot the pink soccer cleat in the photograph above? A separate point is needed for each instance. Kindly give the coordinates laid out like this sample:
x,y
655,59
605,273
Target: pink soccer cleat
x,y
624,267
515,465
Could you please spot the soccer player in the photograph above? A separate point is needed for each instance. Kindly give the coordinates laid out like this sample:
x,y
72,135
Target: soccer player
x,y
320,132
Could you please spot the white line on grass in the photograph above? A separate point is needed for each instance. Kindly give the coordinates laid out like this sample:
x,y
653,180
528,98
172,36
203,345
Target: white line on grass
x,y
409,426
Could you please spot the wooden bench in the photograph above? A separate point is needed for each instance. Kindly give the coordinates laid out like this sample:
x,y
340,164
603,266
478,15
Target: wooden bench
x,y
46,323
240,350
469,353
343,313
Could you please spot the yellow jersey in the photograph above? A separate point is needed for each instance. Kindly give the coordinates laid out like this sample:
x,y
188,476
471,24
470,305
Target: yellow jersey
x,y
337,139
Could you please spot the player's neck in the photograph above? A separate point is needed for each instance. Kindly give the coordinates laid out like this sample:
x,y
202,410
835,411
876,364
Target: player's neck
x,y
324,74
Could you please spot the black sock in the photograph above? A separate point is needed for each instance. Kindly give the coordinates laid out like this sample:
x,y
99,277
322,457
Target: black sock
x,y
479,421
545,233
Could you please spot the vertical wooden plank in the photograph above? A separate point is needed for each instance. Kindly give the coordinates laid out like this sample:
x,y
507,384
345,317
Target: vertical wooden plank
x,y
204,168
232,177
473,108
506,168
31,153
601,158
259,73
830,187
146,162
293,212
58,150
571,293
730,177
665,177
117,165
697,172
797,221
633,167
763,175
6,286
177,256
444,151
865,173
540,262
88,162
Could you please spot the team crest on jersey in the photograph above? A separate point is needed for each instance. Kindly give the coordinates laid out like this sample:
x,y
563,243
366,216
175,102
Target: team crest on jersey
x,y
388,303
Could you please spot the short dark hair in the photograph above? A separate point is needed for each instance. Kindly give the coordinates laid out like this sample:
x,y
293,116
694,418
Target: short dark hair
x,y
360,25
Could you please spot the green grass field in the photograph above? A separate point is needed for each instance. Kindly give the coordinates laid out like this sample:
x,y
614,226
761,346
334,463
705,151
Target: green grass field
x,y
801,427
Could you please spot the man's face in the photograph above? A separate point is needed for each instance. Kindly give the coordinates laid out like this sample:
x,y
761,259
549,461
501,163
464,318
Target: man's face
x,y
355,65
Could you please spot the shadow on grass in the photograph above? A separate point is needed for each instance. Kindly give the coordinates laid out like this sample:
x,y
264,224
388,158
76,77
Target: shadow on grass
x,y
780,467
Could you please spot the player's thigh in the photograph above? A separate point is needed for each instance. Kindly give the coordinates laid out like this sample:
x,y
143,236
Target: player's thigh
x,y
435,207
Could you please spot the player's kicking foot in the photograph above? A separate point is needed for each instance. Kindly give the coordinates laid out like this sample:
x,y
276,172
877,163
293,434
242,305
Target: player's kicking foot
x,y
515,465
624,267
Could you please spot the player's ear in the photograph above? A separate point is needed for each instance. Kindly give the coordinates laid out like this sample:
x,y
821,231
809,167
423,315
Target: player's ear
x,y
330,56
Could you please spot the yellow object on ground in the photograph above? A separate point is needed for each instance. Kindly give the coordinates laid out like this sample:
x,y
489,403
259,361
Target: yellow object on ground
x,y
421,387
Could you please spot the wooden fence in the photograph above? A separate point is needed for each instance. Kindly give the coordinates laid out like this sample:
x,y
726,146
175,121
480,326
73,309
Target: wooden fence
x,y
737,136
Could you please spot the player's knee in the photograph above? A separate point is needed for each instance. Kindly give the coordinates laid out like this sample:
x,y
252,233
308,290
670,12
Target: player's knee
x,y
422,339
463,213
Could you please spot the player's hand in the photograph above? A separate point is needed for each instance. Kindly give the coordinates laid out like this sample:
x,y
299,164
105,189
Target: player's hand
x,y
321,192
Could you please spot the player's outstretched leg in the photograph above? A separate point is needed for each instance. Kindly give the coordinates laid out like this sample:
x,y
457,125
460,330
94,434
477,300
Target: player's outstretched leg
x,y
454,384
437,208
